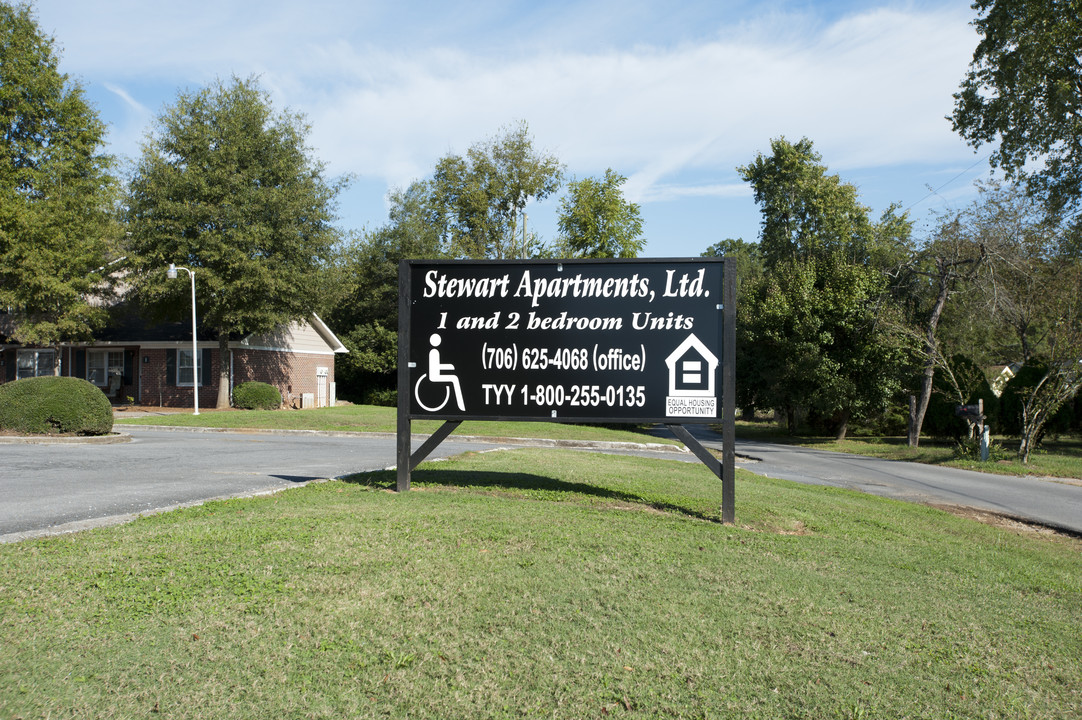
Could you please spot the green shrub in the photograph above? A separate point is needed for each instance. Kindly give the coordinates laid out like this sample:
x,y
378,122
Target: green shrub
x,y
892,420
381,397
256,396
54,405
970,449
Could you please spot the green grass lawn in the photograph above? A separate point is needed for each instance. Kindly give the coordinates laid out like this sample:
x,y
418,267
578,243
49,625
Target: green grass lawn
x,y
544,583
369,418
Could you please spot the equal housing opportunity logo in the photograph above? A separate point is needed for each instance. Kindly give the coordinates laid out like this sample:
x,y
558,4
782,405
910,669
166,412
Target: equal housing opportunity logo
x,y
692,372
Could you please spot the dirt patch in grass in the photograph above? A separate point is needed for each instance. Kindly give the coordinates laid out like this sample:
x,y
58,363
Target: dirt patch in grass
x,y
1005,521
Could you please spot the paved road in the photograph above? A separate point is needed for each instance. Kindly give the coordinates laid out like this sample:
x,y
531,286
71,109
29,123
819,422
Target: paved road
x,y
51,488
1054,503
1045,501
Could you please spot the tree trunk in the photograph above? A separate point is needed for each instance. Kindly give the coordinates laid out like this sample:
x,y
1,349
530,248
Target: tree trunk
x,y
1025,446
912,423
922,403
930,350
843,426
1032,422
223,371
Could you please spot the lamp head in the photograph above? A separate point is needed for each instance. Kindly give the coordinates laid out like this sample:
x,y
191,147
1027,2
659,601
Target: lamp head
x,y
171,273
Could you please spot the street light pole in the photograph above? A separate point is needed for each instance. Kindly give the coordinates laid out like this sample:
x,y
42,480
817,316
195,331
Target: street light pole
x,y
171,273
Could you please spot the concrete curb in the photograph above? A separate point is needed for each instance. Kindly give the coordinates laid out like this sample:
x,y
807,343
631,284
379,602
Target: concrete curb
x,y
110,439
523,442
124,518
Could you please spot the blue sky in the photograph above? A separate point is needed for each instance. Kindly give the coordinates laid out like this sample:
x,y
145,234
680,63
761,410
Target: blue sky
x,y
673,94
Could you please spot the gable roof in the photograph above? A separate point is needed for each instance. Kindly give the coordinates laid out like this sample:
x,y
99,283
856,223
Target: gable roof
x,y
129,324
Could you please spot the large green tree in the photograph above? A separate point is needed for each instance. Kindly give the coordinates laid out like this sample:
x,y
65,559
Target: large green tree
x,y
813,336
57,194
227,187
1023,92
806,212
483,196
747,258
596,221
813,341
365,313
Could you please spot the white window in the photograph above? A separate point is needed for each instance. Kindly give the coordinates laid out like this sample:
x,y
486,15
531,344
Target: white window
x,y
101,364
34,363
184,368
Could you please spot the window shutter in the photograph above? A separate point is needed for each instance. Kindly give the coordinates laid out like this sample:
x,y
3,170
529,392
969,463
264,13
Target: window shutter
x,y
80,363
205,375
171,368
129,367
10,365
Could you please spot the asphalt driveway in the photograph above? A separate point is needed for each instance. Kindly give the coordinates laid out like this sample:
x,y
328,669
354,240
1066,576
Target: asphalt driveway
x,y
58,488
1052,502
48,488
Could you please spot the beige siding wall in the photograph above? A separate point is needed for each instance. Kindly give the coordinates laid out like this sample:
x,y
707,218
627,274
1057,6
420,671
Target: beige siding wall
x,y
298,337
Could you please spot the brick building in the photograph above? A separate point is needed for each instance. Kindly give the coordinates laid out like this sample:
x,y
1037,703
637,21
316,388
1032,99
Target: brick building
x,y
133,362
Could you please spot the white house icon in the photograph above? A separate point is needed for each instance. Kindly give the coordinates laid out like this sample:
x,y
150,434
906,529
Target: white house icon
x,y
691,369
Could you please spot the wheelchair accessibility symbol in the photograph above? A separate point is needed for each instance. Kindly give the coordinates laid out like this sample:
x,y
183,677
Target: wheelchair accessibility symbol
x,y
439,373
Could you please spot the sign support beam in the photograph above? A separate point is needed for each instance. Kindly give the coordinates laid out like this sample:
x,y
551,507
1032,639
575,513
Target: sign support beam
x,y
693,444
724,471
432,443
404,426
728,393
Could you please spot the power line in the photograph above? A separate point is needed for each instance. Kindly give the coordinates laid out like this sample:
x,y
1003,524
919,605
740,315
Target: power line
x,y
936,191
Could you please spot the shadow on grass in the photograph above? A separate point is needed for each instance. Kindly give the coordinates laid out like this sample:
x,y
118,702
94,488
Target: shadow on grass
x,y
523,482
1070,448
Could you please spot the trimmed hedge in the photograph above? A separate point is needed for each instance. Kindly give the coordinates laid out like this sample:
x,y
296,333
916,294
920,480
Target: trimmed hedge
x,y
54,405
256,396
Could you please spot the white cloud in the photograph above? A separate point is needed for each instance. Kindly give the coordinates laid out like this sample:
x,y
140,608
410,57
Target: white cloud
x,y
871,89
133,104
663,193
674,97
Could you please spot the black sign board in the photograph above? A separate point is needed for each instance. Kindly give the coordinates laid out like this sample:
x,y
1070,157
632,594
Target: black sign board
x,y
635,341
623,341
